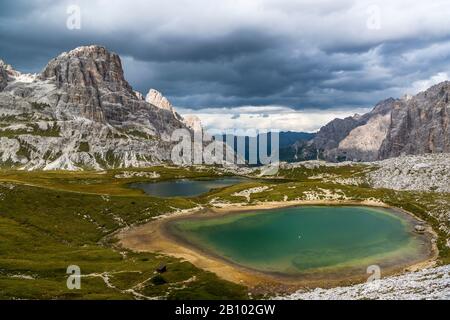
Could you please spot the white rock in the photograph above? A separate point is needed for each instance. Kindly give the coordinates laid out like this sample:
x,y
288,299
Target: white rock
x,y
157,99
433,283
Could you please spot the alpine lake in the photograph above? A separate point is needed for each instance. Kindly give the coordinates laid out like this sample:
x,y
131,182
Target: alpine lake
x,y
299,241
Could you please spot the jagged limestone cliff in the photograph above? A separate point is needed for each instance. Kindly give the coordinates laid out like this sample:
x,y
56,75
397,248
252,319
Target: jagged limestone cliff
x,y
411,125
80,112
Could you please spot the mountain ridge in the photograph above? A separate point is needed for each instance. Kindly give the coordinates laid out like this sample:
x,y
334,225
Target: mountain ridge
x,y
407,126
80,112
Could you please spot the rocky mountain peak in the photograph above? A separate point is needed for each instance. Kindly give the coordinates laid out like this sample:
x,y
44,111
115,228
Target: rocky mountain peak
x,y
157,99
411,125
407,97
383,107
438,93
92,82
7,73
3,76
193,122
89,66
444,85
5,66
139,95
80,112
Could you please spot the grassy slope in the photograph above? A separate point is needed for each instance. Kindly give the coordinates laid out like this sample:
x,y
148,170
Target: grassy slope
x,y
49,220
44,230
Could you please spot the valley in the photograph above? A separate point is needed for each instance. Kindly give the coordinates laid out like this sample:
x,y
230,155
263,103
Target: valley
x,y
51,220
91,170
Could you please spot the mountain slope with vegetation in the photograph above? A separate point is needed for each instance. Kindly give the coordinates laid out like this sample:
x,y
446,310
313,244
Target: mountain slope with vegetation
x,y
81,113
50,220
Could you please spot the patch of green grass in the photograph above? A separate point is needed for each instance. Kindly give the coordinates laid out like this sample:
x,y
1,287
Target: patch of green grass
x,y
43,231
83,147
104,182
140,134
25,150
39,105
52,131
34,129
10,118
158,280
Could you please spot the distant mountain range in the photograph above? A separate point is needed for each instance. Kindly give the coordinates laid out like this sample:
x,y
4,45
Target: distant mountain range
x,y
287,140
81,113
411,125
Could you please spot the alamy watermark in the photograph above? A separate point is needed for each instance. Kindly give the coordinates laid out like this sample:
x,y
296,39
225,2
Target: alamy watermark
x,y
232,147
375,272
373,21
73,21
74,279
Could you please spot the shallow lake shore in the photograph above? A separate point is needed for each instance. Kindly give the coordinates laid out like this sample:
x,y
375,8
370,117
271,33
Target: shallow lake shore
x,y
154,237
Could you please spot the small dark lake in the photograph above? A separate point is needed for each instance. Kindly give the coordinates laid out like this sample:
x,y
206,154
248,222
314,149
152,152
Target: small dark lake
x,y
185,187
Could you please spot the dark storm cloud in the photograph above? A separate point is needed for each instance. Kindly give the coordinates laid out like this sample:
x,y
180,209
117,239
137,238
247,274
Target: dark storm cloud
x,y
225,47
317,54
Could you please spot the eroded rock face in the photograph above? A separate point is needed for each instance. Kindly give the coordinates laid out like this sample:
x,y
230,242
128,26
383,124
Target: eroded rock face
x,y
157,99
80,112
356,138
91,84
193,122
412,125
363,143
3,76
420,124
330,135
427,172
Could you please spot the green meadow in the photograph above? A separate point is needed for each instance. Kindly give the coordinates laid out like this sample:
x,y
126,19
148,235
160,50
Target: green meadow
x,y
50,220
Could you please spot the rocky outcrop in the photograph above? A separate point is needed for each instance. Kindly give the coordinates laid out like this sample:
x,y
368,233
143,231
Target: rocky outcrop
x,y
80,112
411,125
427,172
157,99
420,124
193,122
330,135
355,138
3,76
91,82
363,143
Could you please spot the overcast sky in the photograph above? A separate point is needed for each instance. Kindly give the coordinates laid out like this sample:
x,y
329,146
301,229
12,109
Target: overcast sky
x,y
258,63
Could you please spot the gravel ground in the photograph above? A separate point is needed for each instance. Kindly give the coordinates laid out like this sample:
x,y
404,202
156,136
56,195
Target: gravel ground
x,y
433,284
430,172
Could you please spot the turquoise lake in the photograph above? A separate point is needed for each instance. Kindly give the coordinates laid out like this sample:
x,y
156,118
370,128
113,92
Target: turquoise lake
x,y
296,240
